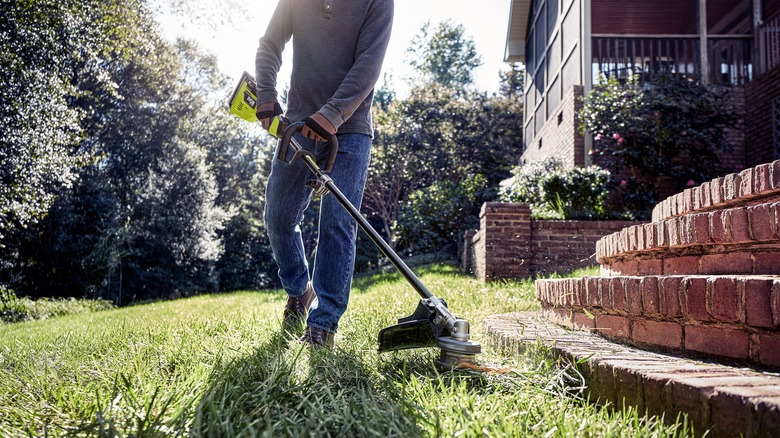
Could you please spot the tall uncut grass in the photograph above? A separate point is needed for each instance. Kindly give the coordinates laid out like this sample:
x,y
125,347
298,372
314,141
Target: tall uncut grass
x,y
220,366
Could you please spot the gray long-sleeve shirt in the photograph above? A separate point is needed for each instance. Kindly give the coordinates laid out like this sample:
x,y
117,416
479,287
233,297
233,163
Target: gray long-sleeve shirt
x,y
338,49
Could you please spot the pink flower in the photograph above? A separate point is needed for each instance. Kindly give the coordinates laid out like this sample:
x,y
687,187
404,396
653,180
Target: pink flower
x,y
623,183
621,140
597,137
691,183
683,133
616,136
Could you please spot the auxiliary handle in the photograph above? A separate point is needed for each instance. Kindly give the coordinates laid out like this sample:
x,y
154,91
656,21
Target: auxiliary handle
x,y
333,147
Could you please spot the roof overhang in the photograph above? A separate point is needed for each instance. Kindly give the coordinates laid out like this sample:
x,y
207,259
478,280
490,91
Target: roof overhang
x,y
518,28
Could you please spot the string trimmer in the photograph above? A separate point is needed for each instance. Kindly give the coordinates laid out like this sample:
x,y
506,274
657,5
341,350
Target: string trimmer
x,y
431,324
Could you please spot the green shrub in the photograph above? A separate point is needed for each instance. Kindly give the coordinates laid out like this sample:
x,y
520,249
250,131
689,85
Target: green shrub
x,y
666,134
15,309
555,192
433,218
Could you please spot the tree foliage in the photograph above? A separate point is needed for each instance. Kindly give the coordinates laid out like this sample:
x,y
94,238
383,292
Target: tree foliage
x,y
173,182
440,152
444,55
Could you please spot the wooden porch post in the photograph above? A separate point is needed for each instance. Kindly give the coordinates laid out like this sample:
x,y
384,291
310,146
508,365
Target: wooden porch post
x,y
757,40
703,46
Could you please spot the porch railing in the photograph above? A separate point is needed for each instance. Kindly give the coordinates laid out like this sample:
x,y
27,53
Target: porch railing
x,y
730,58
769,44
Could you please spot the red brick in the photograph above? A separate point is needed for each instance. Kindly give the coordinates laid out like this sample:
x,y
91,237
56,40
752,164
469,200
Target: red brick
x,y
723,264
746,183
581,321
701,228
650,296
716,191
612,326
769,349
633,287
686,230
658,333
762,178
618,293
630,267
718,341
731,183
725,299
592,291
776,174
739,225
687,265
706,196
758,302
650,267
673,230
730,414
718,231
761,226
661,236
605,296
670,297
688,195
694,298
649,233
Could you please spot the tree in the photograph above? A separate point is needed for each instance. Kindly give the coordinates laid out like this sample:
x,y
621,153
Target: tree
x,y
512,82
43,47
444,55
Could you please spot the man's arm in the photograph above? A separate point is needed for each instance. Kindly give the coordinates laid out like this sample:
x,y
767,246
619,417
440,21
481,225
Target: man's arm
x,y
268,59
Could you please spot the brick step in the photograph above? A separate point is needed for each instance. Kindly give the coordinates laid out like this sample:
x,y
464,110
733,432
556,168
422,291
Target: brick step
x,y
724,400
735,189
764,260
734,317
746,230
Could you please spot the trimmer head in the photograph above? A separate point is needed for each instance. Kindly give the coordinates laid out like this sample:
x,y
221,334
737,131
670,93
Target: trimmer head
x,y
423,329
456,353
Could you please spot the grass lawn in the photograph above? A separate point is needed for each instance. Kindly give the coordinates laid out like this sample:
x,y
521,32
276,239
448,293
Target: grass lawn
x,y
219,365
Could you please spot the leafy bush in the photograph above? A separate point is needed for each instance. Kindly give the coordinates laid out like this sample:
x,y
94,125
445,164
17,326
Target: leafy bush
x,y
15,309
555,192
662,134
435,216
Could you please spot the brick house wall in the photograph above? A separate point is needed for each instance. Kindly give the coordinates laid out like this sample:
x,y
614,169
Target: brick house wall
x,y
560,137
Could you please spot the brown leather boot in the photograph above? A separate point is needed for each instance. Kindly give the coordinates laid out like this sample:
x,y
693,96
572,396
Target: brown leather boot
x,y
297,308
317,338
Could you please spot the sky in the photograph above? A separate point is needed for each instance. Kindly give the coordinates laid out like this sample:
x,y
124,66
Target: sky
x,y
485,22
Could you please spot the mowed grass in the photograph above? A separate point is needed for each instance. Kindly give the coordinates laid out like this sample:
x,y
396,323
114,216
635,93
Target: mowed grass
x,y
220,366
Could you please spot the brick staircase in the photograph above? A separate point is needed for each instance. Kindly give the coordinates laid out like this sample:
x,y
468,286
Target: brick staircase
x,y
702,279
685,315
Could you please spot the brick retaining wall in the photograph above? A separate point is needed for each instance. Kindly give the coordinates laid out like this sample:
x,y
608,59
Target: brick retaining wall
x,y
511,245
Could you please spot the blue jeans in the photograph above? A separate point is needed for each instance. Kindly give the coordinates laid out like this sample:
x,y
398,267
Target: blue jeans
x,y
287,197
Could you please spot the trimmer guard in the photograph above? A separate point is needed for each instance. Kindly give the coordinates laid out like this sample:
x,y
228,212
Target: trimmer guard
x,y
417,330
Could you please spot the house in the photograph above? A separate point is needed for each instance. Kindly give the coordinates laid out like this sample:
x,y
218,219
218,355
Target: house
x,y
567,45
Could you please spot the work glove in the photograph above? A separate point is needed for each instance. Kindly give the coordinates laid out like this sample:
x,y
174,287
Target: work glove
x,y
268,113
318,128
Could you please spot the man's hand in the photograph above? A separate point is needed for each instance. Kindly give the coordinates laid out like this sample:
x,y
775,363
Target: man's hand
x,y
318,128
267,111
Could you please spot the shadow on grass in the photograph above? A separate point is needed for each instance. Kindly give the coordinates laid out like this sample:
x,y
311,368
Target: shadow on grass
x,y
283,389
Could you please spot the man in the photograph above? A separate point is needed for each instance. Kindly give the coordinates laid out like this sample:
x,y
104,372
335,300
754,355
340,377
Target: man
x,y
338,49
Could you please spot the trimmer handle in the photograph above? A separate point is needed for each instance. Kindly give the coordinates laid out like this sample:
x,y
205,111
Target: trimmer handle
x,y
287,138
